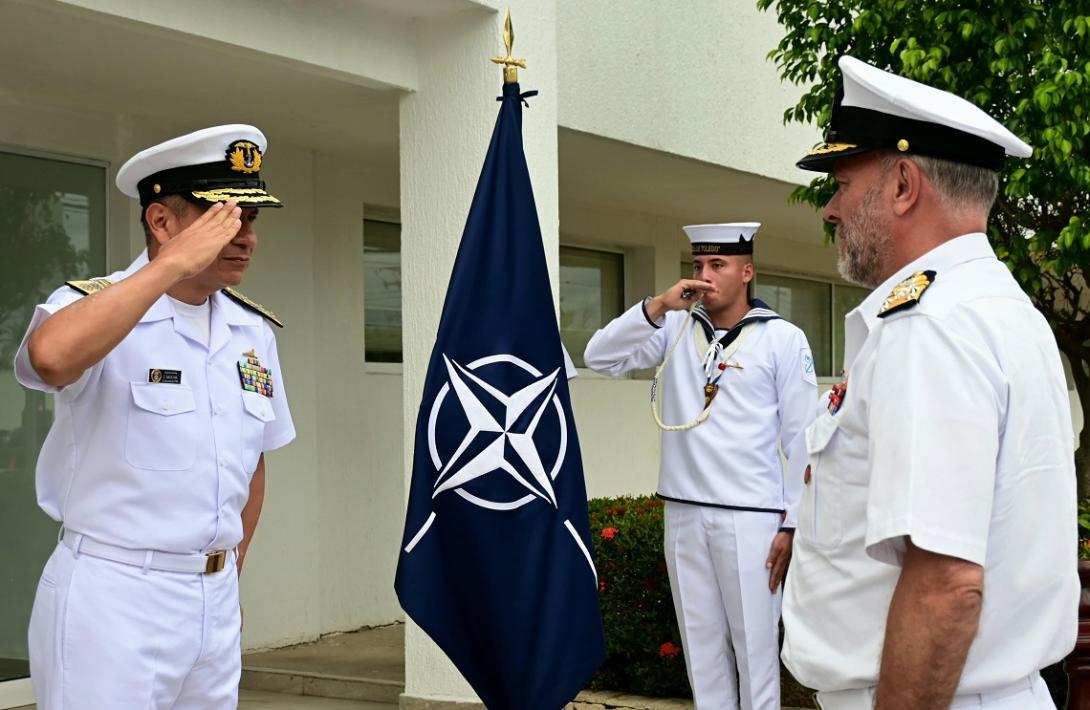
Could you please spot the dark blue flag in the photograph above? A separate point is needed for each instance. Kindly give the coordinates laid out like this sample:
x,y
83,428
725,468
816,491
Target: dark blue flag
x,y
496,562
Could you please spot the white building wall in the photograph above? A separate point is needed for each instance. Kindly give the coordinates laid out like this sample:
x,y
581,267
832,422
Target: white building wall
x,y
689,78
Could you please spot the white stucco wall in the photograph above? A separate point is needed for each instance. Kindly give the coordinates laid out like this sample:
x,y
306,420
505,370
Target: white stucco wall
x,y
688,78
445,127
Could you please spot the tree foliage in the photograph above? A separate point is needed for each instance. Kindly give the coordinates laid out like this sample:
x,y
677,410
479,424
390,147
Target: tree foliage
x,y
1025,62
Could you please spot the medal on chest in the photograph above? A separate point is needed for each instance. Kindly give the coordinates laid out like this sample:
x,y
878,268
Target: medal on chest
x,y
837,395
254,376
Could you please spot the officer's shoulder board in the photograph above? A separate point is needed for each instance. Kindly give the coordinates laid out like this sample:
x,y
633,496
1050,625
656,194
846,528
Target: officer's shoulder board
x,y
249,304
89,286
907,294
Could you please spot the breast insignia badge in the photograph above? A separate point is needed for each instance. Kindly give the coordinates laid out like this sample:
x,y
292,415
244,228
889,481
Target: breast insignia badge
x,y
837,394
907,294
254,376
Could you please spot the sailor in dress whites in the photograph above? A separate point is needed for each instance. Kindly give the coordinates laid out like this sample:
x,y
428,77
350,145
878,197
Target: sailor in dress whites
x,y
935,556
736,385
168,391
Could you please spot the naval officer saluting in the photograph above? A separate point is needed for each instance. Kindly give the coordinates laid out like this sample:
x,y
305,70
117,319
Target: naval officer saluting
x,y
168,391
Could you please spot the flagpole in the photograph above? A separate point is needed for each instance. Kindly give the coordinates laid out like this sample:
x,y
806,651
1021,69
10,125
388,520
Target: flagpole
x,y
510,64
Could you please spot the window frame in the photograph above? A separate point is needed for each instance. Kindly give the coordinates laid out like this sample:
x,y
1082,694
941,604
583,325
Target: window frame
x,y
386,215
107,201
626,295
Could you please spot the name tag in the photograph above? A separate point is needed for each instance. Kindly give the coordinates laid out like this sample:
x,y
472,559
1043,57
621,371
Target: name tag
x,y
166,377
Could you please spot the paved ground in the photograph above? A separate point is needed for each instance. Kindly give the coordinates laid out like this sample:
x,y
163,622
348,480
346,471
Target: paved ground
x,y
257,700
374,654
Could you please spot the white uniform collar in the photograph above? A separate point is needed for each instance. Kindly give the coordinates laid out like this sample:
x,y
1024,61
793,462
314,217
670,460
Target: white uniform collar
x,y
862,319
232,312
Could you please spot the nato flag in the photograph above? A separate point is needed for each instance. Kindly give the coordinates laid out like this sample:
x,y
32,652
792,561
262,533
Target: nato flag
x,y
496,563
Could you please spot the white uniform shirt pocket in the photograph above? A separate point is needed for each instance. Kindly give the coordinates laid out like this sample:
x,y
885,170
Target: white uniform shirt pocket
x,y
820,514
159,433
259,412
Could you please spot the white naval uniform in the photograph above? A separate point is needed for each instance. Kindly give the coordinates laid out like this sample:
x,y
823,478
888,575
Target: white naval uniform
x,y
161,469
726,491
956,432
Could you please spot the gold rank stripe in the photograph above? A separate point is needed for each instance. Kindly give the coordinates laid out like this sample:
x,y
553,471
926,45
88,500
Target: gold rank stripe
x,y
246,302
89,286
832,148
247,194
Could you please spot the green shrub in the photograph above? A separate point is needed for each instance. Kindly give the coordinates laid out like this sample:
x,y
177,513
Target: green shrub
x,y
643,645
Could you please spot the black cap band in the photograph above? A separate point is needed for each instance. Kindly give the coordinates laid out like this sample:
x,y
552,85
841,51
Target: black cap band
x,y
725,249
190,178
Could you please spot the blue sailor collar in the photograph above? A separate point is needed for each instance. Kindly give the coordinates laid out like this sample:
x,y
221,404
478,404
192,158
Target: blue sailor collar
x,y
861,320
758,311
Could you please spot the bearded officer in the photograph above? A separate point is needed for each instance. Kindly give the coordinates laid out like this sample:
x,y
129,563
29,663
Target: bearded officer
x,y
168,392
736,383
935,555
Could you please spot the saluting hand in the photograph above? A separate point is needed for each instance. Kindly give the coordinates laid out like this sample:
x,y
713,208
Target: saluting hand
x,y
778,557
197,246
678,297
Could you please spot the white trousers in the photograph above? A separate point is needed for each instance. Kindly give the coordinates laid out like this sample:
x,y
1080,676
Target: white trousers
x,y
109,635
1027,694
727,616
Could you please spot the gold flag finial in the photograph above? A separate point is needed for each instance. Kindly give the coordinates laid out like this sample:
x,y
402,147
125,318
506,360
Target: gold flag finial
x,y
510,64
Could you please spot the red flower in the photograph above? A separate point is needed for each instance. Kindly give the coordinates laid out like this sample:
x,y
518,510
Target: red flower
x,y
602,586
668,650
609,533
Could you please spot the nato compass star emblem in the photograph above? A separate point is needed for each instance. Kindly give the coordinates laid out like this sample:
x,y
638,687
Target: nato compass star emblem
x,y
499,439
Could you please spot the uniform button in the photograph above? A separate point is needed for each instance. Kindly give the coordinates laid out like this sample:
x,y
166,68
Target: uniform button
x,y
806,475
167,405
209,361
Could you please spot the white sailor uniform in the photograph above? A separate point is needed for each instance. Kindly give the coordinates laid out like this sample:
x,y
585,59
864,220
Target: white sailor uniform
x,y
147,466
725,486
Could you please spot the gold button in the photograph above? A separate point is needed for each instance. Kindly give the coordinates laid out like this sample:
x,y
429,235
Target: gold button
x,y
156,189
902,145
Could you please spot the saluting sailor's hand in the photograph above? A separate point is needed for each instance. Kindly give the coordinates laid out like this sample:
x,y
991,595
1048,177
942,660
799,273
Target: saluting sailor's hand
x,y
195,247
778,557
678,297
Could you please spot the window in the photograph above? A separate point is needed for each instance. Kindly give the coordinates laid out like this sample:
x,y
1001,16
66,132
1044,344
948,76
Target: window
x,y
807,304
591,295
381,291
845,298
52,228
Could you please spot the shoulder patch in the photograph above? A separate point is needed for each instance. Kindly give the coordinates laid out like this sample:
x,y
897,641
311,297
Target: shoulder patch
x,y
90,285
907,294
253,306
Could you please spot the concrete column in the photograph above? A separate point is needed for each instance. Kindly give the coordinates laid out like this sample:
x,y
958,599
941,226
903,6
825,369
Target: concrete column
x,y
445,128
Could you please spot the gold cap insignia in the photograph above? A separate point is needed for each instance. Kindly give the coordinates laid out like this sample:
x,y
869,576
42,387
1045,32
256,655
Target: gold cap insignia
x,y
907,293
244,156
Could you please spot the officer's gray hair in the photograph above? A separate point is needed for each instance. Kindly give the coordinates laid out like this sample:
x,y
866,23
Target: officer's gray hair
x,y
959,185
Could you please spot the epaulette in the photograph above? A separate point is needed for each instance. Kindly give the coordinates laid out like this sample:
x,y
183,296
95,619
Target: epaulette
x,y
253,306
90,285
907,294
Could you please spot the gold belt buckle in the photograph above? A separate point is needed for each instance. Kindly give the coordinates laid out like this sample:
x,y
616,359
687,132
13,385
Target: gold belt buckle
x,y
216,561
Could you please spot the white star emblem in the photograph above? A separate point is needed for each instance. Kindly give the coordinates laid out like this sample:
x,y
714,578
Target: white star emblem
x,y
512,433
